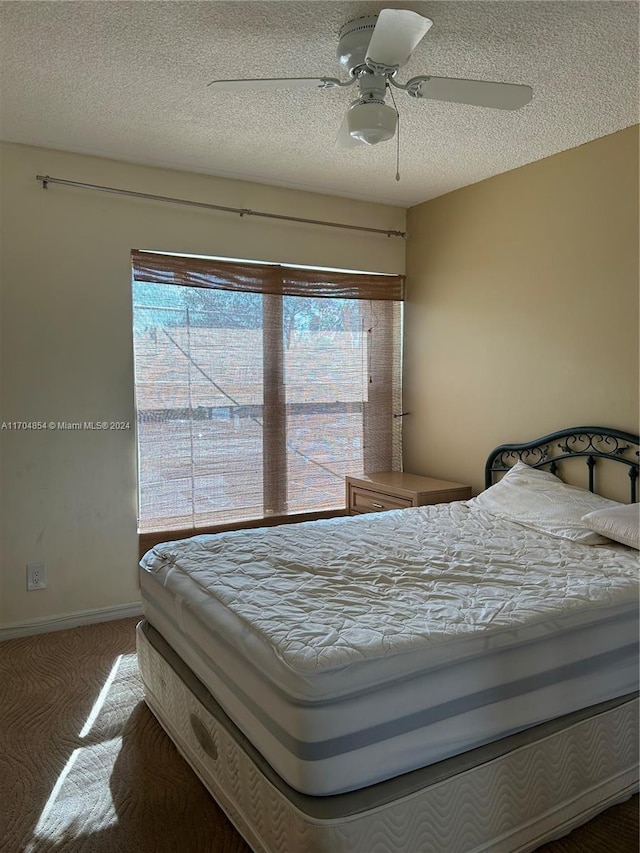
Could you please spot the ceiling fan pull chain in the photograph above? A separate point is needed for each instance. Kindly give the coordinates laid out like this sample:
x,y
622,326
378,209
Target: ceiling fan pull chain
x,y
397,133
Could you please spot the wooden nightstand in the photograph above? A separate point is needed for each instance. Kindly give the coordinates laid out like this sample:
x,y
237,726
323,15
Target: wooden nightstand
x,y
396,490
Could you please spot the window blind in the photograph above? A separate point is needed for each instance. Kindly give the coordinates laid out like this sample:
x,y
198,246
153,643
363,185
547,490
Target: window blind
x,y
258,387
252,277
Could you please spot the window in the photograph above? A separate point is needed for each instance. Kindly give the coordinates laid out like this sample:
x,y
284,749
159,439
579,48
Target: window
x,y
258,387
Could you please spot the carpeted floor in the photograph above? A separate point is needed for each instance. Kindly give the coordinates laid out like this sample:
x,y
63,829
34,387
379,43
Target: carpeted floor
x,y
85,767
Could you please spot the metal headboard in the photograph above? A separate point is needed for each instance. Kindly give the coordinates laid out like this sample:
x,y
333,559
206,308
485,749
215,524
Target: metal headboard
x,y
592,443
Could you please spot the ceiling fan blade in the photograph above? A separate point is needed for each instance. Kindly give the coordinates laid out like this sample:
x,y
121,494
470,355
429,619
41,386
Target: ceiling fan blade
x,y
396,35
479,93
274,83
344,138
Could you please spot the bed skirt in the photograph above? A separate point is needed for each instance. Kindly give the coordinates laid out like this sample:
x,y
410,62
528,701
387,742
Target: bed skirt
x,y
510,796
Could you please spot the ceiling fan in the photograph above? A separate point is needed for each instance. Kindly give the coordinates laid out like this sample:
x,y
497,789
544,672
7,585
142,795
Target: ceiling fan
x,y
372,49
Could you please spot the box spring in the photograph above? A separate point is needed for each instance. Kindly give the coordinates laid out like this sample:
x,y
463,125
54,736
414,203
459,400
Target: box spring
x,y
510,796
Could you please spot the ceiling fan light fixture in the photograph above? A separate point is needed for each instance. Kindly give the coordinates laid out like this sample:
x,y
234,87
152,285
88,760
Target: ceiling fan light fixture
x,y
372,122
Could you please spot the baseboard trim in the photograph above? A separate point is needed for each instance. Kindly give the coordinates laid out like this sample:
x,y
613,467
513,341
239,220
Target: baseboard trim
x,y
72,620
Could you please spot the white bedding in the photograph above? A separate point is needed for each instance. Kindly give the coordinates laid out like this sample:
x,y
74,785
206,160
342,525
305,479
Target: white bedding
x,y
442,581
355,649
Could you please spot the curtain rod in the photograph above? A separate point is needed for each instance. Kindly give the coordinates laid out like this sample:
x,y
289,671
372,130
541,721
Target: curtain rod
x,y
242,211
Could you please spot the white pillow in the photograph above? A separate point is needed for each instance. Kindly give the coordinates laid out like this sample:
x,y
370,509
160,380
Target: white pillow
x,y
621,524
540,500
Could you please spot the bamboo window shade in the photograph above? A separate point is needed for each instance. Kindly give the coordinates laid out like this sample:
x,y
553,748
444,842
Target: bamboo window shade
x,y
252,277
258,387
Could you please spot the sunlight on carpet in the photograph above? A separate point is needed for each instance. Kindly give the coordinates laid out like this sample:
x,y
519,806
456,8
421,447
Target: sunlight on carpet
x,y
86,766
81,798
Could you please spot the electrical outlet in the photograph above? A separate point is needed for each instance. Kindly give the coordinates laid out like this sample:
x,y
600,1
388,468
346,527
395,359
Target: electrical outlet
x,y
36,576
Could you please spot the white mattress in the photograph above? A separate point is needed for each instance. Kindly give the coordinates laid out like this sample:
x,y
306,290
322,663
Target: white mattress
x,y
353,650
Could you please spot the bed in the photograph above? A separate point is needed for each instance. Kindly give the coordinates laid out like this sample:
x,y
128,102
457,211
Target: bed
x,y
458,677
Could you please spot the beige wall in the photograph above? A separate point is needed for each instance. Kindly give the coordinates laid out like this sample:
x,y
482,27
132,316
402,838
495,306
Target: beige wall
x,y
69,498
522,311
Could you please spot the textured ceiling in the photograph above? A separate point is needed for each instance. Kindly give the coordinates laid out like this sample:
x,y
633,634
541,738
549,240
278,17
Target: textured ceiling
x,y
129,81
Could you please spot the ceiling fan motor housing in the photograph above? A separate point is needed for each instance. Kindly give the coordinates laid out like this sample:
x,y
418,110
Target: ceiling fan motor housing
x,y
353,42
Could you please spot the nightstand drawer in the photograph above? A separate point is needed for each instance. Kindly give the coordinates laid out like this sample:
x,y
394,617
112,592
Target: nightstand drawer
x,y
363,500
